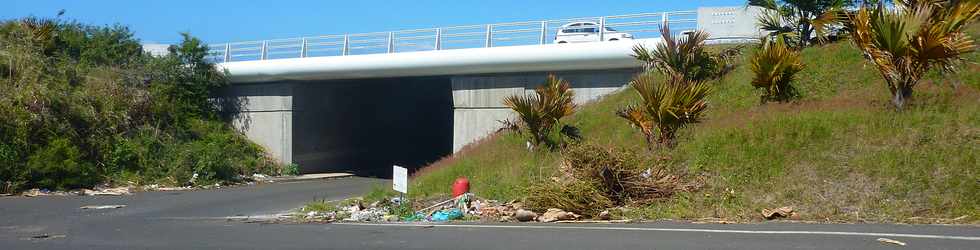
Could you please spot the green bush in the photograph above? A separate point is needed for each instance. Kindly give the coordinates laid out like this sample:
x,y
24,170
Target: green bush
x,y
82,105
61,165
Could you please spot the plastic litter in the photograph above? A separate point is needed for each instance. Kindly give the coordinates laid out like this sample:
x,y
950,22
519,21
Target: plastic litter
x,y
447,215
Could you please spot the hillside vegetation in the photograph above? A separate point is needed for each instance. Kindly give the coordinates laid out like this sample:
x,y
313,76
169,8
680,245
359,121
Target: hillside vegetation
x,y
839,153
84,105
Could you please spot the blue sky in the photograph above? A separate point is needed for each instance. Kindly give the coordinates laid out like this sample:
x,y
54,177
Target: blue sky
x,y
237,20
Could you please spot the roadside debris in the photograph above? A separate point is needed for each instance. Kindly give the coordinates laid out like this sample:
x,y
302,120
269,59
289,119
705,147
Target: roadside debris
x,y
446,215
108,191
525,215
604,215
45,192
554,214
100,207
370,214
174,188
6,188
891,241
782,212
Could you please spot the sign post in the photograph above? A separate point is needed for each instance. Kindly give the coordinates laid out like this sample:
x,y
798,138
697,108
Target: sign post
x,y
399,182
399,179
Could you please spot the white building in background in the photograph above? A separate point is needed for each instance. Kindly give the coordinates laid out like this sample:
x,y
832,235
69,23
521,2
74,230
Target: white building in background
x,y
156,49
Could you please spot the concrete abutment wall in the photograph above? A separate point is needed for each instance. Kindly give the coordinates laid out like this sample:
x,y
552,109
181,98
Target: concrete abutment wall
x,y
478,99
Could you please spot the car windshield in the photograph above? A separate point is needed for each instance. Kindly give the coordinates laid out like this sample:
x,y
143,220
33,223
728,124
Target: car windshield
x,y
610,29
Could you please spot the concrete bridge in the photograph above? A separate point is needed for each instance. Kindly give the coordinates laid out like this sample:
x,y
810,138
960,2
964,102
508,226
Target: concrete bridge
x,y
362,111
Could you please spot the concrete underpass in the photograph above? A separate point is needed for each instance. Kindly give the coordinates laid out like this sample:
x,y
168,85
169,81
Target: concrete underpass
x,y
358,126
364,126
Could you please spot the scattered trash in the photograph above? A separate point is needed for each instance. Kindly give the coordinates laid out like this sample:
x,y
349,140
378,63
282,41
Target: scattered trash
x,y
604,215
891,241
108,191
783,212
369,214
99,207
34,192
461,186
525,215
174,188
554,214
461,207
448,215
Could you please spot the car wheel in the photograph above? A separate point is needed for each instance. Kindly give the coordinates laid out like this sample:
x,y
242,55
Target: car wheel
x,y
614,39
562,42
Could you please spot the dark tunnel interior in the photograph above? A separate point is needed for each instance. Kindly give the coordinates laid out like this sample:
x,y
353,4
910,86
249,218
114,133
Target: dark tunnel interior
x,y
365,126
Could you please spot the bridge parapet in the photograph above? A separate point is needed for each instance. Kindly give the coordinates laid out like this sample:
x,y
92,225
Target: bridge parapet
x,y
723,22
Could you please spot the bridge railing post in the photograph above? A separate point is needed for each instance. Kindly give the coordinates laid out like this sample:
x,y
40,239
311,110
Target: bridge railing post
x,y
602,29
489,41
544,31
346,50
391,42
302,49
227,52
438,45
264,52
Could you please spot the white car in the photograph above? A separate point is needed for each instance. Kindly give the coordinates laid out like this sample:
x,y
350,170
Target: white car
x,y
581,32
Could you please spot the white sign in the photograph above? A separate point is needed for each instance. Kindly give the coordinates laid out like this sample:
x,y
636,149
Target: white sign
x,y
399,179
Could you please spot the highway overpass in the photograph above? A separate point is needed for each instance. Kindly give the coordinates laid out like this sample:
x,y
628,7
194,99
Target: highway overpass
x,y
363,102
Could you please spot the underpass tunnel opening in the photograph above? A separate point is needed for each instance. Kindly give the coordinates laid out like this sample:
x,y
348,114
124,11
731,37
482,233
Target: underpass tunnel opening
x,y
365,126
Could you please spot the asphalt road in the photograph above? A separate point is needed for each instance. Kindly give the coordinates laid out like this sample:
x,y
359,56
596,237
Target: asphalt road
x,y
196,220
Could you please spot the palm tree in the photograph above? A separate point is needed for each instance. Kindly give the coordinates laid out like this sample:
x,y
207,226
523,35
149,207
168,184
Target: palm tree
x,y
804,21
666,106
540,113
774,66
907,41
684,55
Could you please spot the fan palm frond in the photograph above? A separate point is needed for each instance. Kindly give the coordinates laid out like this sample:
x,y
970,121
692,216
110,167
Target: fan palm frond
x,y
775,66
906,42
667,105
684,55
541,113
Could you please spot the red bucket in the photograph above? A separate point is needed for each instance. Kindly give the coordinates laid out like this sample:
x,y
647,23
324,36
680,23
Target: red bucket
x,y
461,186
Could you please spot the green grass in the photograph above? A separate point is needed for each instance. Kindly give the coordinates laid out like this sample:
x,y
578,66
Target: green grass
x,y
840,153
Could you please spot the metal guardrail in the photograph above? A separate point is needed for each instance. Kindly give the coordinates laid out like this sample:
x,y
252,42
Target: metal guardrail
x,y
643,25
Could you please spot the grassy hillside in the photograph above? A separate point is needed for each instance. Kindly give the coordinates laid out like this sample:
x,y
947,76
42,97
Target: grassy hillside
x,y
841,153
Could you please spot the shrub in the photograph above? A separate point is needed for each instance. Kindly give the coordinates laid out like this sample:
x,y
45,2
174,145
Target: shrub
x,y
82,105
60,164
540,114
684,56
906,42
666,106
775,65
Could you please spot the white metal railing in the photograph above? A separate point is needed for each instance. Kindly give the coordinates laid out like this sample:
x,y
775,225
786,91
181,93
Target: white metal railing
x,y
643,25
